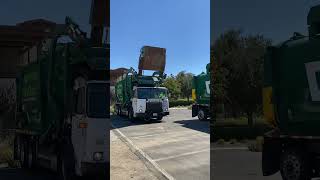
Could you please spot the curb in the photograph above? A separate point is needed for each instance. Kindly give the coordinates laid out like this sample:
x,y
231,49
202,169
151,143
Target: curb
x,y
177,108
151,164
4,165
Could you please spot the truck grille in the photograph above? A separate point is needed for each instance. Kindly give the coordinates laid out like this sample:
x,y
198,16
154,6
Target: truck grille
x,y
155,107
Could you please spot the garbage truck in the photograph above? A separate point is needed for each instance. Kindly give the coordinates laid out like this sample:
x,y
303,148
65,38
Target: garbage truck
x,y
62,111
201,95
291,105
140,96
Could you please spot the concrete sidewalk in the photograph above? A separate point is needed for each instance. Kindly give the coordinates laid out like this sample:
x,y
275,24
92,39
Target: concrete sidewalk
x,y
124,164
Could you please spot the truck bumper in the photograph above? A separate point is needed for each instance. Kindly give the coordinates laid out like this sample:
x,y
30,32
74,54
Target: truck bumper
x,y
195,109
271,154
142,115
89,168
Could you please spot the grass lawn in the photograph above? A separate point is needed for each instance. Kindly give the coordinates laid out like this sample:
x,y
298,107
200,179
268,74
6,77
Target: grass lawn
x,y
242,121
232,128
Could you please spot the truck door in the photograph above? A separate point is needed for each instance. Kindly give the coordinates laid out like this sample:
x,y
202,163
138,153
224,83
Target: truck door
x,y
79,118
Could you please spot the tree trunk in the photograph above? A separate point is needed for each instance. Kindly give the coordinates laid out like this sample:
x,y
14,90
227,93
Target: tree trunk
x,y
250,118
188,98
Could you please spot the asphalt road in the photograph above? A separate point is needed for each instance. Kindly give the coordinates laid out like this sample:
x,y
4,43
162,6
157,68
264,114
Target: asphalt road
x,y
179,144
22,174
236,162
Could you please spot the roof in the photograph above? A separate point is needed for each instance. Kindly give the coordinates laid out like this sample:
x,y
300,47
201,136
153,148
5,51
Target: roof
x,y
26,33
20,38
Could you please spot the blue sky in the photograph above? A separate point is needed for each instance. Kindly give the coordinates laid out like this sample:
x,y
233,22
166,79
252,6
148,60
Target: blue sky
x,y
16,11
180,26
274,19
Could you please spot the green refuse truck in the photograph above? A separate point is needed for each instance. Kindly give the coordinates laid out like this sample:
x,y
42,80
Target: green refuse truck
x,y
291,102
140,96
201,95
62,112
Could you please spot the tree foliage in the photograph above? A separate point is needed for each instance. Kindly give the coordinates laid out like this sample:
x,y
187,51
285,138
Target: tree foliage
x,y
238,71
7,97
173,86
185,81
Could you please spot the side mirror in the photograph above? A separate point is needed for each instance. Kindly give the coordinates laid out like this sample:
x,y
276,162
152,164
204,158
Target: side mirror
x,y
164,76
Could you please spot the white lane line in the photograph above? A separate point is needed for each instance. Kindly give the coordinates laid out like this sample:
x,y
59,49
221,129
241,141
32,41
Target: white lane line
x,y
229,148
169,133
180,155
149,162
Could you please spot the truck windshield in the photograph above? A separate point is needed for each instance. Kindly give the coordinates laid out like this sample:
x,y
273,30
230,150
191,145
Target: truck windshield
x,y
97,100
152,93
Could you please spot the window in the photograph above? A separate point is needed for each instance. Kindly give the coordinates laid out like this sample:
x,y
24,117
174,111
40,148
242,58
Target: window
x,y
135,93
152,93
318,79
98,100
80,100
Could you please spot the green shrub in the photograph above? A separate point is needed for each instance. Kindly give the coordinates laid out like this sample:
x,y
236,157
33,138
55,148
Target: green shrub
x,y
180,102
239,132
233,141
220,141
6,155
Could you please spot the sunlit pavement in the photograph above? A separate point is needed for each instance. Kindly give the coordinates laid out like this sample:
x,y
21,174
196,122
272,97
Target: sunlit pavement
x,y
179,144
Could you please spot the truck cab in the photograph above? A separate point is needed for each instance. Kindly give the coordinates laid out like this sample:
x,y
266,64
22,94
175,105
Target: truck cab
x,y
150,102
89,123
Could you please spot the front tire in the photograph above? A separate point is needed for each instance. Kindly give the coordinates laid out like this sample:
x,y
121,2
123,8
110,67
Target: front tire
x,y
24,155
202,115
17,148
294,165
130,115
66,163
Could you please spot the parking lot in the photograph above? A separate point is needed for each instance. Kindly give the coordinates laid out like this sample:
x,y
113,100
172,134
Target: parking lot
x,y
179,144
237,162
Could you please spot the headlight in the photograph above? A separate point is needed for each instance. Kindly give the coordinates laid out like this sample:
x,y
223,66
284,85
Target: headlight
x,y
98,156
140,110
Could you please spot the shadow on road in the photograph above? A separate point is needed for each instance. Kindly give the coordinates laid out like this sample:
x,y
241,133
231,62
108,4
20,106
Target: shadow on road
x,y
121,121
18,174
202,126
38,174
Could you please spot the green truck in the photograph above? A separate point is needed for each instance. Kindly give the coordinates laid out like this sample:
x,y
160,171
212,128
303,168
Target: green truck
x,y
291,97
140,96
201,95
62,112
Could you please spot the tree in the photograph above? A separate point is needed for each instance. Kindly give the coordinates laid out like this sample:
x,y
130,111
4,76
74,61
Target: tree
x,y
173,87
185,81
7,97
239,71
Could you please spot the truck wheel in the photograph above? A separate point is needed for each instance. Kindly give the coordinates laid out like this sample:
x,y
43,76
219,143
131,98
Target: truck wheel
x,y
66,163
34,153
118,111
25,158
130,115
294,166
202,115
17,148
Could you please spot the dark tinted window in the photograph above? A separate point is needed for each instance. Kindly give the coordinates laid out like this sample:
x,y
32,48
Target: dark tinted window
x,y
97,100
151,93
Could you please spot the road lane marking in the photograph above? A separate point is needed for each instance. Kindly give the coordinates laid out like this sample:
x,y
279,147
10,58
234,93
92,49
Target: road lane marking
x,y
229,148
149,162
187,132
181,155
